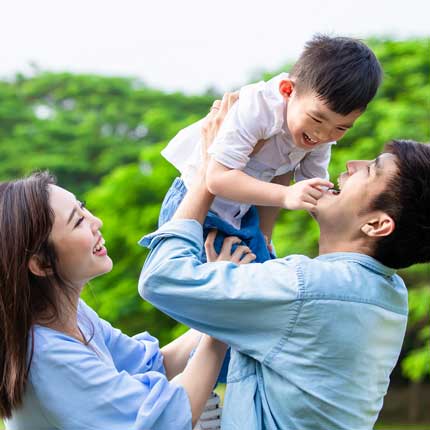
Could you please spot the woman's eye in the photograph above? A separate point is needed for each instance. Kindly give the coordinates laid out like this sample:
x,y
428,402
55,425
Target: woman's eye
x,y
79,221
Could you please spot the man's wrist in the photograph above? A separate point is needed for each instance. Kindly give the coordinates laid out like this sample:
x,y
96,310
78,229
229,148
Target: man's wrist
x,y
196,202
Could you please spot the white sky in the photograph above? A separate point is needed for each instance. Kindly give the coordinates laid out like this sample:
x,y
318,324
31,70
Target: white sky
x,y
187,45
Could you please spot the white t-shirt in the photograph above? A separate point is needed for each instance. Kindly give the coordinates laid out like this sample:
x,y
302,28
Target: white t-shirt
x,y
259,114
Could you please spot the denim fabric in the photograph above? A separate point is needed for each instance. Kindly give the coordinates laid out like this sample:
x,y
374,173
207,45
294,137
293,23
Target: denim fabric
x,y
313,341
249,232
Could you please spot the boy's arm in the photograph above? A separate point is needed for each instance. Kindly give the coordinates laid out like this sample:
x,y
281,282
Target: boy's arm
x,y
236,185
269,214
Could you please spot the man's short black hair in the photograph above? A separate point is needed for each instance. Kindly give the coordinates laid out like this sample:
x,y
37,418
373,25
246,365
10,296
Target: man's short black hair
x,y
406,199
342,71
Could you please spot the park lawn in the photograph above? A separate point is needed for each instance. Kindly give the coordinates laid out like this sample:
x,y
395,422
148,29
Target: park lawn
x,y
402,426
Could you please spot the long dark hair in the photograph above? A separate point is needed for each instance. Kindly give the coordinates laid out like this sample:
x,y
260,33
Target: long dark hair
x,y
26,221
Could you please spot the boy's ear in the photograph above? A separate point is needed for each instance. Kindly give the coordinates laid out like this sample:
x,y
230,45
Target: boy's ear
x,y
37,267
379,226
286,87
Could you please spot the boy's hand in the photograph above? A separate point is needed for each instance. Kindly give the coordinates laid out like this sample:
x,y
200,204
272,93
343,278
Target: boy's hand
x,y
305,194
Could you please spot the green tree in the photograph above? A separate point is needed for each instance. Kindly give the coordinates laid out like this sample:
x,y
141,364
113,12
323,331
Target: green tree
x,y
102,137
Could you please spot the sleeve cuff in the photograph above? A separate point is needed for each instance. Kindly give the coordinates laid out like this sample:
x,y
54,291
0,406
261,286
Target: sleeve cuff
x,y
188,229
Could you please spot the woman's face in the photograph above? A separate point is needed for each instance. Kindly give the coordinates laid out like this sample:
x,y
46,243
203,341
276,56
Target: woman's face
x,y
77,239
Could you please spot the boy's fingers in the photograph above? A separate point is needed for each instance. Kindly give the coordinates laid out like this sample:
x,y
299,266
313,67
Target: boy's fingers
x,y
311,200
318,182
315,193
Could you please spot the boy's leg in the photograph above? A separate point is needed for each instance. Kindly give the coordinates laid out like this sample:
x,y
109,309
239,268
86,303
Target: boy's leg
x,y
171,201
249,232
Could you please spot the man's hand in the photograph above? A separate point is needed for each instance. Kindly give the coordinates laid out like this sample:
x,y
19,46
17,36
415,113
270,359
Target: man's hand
x,y
241,255
198,199
213,121
305,194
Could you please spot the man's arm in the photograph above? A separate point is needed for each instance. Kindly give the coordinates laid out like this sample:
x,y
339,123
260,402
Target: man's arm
x,y
198,199
250,307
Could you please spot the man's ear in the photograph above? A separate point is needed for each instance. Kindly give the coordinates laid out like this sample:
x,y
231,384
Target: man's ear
x,y
37,267
286,87
379,226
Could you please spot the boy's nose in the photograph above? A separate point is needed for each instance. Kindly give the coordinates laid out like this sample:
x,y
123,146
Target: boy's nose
x,y
323,134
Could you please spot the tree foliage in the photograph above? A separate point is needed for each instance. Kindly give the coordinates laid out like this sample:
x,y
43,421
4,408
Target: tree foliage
x,y
102,137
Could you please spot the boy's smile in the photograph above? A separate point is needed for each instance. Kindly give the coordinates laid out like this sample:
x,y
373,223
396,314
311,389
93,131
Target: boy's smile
x,y
312,123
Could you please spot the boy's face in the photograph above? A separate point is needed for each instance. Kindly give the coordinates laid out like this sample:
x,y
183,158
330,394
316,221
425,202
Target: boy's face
x,y
312,123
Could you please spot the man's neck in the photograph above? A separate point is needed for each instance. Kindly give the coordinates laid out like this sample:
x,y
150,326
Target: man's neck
x,y
330,243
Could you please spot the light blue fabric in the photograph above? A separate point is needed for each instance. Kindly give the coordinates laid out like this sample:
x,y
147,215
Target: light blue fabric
x,y
116,383
313,340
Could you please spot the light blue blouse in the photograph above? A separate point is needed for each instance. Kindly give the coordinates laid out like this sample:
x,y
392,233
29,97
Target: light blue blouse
x,y
313,340
115,383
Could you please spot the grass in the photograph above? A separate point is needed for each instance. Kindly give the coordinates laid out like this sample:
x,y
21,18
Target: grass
x,y
402,427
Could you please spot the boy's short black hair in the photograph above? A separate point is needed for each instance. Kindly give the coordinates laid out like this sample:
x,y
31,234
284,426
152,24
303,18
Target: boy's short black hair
x,y
407,200
342,71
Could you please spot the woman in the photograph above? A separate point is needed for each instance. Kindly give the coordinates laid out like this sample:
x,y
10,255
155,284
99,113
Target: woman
x,y
62,367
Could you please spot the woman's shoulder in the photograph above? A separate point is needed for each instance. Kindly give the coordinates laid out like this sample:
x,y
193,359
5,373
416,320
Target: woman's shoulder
x,y
49,344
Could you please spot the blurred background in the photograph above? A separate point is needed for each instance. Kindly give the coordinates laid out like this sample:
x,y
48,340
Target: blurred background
x,y
94,90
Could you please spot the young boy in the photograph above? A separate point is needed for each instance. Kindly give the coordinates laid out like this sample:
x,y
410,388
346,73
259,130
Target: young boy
x,y
277,131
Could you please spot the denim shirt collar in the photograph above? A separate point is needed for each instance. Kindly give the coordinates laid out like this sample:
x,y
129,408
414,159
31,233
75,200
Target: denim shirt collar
x,y
363,259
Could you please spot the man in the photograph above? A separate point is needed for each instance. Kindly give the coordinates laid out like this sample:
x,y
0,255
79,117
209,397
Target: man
x,y
313,340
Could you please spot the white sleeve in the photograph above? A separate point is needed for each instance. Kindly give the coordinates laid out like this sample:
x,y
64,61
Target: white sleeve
x,y
257,115
314,164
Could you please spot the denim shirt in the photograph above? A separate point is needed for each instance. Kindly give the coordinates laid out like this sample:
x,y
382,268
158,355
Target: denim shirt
x,y
313,340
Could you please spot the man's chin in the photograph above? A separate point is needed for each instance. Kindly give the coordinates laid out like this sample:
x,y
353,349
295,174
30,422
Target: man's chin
x,y
314,213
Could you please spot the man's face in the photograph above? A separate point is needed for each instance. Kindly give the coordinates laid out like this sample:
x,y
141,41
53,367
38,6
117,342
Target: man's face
x,y
349,210
312,123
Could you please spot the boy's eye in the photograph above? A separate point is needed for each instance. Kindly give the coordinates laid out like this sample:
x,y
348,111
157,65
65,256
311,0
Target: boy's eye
x,y
342,129
316,120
